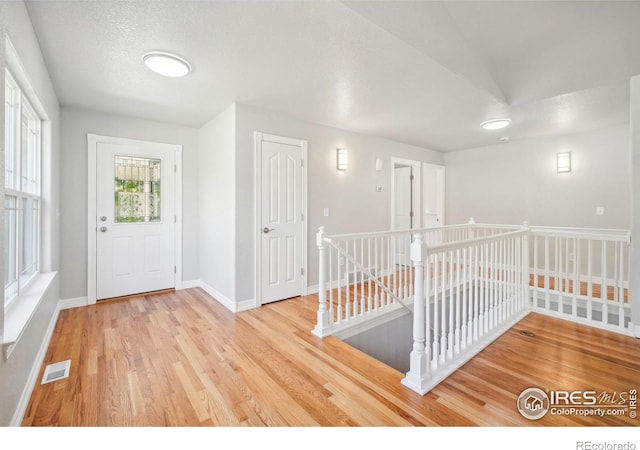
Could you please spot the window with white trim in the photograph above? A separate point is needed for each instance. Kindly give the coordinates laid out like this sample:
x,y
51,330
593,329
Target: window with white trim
x,y
22,191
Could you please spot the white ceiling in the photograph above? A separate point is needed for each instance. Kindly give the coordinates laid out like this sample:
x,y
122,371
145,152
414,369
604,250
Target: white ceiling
x,y
421,72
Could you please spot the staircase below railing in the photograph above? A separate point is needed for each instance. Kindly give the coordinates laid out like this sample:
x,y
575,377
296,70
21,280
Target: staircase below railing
x,y
467,284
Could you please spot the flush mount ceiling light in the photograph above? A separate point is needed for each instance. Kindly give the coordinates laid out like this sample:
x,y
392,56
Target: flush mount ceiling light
x,y
495,124
166,64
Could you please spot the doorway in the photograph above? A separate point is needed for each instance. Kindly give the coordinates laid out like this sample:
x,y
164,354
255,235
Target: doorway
x,y
134,220
433,182
281,235
406,210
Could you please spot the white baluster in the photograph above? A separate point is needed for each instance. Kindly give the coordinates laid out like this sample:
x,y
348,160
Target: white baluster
x,y
476,294
603,284
576,278
526,272
443,310
330,285
589,280
436,308
547,275
374,272
458,336
465,296
450,306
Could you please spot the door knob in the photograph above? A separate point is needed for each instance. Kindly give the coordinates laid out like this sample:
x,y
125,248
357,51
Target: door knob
x,y
103,229
103,218
266,230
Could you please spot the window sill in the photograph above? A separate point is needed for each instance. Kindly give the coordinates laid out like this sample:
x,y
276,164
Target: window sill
x,y
20,312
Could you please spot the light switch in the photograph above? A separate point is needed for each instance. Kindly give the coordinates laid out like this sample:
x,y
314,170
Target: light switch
x,y
599,210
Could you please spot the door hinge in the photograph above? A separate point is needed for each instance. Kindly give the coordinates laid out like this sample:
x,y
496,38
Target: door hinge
x,y
302,271
411,178
302,217
175,168
411,214
174,269
175,219
302,163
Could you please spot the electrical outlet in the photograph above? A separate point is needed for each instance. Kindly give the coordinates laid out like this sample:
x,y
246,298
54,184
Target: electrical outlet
x,y
379,188
599,210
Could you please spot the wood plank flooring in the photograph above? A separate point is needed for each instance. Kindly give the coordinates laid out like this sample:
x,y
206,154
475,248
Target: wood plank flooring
x,y
182,359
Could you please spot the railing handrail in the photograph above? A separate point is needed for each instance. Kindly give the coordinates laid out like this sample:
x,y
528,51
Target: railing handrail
x,y
373,234
616,235
475,241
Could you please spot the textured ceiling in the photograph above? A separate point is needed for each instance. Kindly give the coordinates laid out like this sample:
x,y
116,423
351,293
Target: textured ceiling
x,y
421,72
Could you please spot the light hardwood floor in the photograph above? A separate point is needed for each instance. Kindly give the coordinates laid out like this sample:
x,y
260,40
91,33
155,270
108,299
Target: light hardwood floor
x,y
182,359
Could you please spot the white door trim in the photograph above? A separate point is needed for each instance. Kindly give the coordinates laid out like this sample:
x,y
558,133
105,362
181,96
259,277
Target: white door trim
x,y
258,138
92,143
416,188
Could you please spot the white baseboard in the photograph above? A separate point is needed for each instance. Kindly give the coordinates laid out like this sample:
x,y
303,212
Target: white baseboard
x,y
190,284
69,303
219,296
18,415
313,289
228,303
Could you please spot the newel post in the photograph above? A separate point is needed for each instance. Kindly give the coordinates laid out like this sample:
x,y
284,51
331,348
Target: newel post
x,y
472,228
525,265
323,323
419,368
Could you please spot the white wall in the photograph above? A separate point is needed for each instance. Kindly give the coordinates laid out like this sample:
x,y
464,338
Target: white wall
x,y
15,373
354,205
76,123
217,204
517,181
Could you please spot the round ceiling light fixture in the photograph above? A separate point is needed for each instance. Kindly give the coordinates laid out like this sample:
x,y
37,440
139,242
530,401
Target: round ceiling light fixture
x,y
166,64
495,124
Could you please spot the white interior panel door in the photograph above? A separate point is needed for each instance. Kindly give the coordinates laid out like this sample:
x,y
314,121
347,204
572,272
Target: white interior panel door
x,y
281,221
135,223
433,195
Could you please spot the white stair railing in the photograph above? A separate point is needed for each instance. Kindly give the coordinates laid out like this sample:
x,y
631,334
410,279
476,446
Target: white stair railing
x,y
582,275
467,284
467,294
360,276
365,275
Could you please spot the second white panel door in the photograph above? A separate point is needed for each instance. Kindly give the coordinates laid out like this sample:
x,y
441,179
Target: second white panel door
x,y
281,221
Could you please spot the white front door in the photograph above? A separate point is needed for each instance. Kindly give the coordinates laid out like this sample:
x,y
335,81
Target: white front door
x,y
281,218
135,218
433,195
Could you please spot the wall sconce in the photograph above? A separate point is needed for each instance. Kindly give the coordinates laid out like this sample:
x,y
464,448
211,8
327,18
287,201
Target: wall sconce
x,y
341,159
564,162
